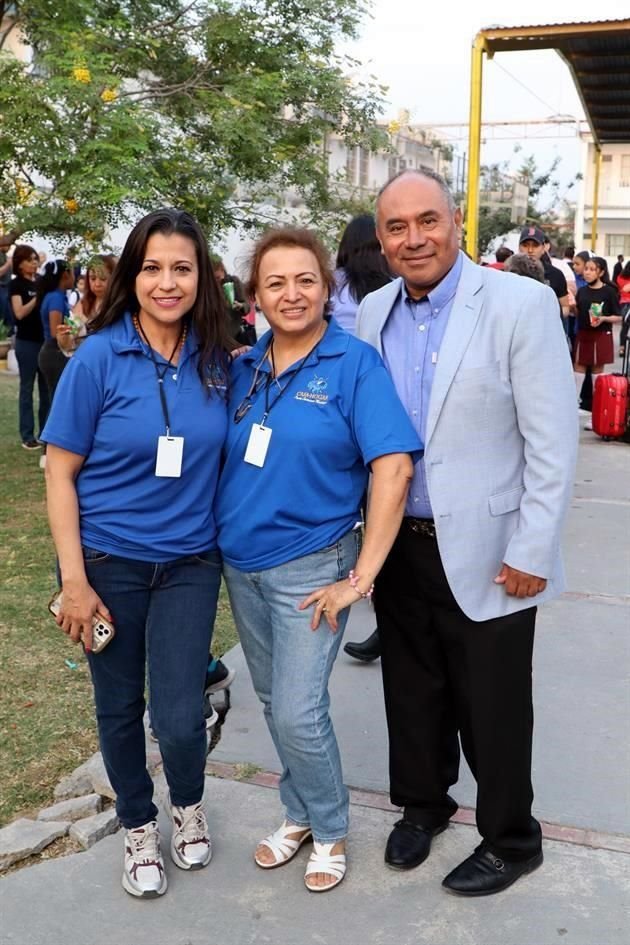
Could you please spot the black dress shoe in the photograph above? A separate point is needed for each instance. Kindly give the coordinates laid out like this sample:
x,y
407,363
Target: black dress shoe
x,y
409,844
483,873
367,651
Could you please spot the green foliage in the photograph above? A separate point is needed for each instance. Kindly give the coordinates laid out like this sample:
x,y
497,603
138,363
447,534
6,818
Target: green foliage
x,y
492,224
212,105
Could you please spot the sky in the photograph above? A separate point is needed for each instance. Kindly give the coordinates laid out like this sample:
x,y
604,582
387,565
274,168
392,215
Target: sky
x,y
421,51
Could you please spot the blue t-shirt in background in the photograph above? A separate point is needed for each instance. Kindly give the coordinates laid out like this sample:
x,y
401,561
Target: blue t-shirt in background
x,y
336,415
107,408
55,301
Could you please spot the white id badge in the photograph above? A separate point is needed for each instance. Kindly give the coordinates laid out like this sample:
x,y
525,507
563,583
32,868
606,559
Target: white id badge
x,y
170,452
257,445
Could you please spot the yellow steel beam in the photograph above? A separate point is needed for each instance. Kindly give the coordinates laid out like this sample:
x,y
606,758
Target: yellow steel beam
x,y
474,146
598,165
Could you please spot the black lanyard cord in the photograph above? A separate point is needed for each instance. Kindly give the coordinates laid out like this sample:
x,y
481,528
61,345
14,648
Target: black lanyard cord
x,y
161,375
272,377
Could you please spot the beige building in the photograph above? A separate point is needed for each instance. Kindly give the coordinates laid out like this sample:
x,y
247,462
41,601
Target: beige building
x,y
613,215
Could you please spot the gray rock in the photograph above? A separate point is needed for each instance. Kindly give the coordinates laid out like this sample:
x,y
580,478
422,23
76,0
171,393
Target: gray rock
x,y
25,837
75,808
90,830
75,784
98,777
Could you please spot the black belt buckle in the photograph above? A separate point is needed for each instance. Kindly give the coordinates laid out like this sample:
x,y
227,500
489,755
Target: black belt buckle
x,y
425,527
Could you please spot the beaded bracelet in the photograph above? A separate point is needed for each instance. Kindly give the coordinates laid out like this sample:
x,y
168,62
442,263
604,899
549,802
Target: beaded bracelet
x,y
354,582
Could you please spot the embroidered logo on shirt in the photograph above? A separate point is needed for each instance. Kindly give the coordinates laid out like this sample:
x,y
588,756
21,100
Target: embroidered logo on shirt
x,y
315,393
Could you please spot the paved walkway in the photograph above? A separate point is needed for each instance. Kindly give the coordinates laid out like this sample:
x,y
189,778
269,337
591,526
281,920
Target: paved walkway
x,y
581,772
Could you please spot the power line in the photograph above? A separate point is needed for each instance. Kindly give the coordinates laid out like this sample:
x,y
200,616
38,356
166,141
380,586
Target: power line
x,y
527,88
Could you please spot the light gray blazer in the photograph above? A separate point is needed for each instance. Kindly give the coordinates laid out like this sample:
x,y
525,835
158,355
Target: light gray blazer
x,y
501,438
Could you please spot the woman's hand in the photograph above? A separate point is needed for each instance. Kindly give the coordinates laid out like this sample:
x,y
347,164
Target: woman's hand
x,y
65,338
329,601
79,604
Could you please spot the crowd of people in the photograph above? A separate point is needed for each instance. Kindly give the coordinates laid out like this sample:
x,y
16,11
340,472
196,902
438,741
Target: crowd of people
x,y
180,447
590,302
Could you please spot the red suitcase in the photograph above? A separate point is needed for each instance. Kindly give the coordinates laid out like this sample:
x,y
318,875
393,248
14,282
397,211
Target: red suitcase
x,y
610,405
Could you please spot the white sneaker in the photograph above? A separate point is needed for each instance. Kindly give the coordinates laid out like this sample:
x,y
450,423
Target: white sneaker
x,y
144,875
42,461
191,848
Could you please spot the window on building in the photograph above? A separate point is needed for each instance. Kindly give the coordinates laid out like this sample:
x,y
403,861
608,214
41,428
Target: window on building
x,y
624,176
617,243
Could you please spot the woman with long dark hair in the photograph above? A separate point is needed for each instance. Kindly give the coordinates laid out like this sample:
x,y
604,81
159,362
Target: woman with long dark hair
x,y
28,341
361,268
134,445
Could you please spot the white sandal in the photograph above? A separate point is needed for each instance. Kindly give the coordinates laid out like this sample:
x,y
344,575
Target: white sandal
x,y
322,861
282,845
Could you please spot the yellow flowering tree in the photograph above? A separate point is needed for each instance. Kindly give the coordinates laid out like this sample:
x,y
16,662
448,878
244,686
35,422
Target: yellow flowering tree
x,y
212,105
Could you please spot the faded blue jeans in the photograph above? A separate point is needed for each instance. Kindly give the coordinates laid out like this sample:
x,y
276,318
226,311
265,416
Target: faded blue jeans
x,y
290,666
163,616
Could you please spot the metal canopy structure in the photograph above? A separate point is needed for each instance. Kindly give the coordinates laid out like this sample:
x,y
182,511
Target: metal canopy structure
x,y
598,55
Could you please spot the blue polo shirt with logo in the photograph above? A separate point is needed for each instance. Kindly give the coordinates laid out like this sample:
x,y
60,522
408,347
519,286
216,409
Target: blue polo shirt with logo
x,y
337,414
107,408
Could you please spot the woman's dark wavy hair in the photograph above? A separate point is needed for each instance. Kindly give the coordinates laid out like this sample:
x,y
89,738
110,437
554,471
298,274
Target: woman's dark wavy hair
x,y
360,259
625,272
20,254
50,278
207,315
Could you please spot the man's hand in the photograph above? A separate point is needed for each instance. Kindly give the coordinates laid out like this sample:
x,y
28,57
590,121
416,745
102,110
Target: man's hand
x,y
520,583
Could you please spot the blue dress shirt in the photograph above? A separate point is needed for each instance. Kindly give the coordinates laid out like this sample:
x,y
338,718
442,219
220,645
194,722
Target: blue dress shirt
x,y
411,340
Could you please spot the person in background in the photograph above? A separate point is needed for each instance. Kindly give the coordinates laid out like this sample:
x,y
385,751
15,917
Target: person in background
x,y
502,254
597,310
523,265
99,271
617,268
361,268
480,362
28,341
532,242
54,309
562,265
6,316
134,450
312,411
623,284
76,293
236,305
579,261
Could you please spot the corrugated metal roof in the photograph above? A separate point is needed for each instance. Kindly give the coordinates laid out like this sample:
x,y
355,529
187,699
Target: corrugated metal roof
x,y
598,54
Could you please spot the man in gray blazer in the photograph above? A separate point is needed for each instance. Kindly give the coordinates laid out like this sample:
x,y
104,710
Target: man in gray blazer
x,y
480,360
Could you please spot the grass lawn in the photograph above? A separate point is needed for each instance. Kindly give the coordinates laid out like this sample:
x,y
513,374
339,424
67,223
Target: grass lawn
x,y
47,723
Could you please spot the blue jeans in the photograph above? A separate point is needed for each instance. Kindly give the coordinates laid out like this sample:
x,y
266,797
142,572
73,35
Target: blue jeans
x,y
163,616
290,667
6,315
27,353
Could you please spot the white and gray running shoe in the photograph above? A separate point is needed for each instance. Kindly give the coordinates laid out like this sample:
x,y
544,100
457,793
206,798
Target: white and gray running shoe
x,y
144,875
191,847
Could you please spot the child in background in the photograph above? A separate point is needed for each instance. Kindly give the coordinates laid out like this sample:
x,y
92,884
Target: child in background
x,y
597,311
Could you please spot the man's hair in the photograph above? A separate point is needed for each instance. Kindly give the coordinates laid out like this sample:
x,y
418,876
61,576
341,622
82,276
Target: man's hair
x,y
421,172
503,253
520,264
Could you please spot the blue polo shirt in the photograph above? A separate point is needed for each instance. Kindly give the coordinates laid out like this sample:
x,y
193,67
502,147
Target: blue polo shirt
x,y
55,301
107,408
337,414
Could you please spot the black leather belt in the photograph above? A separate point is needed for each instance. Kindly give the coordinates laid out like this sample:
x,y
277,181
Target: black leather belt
x,y
425,527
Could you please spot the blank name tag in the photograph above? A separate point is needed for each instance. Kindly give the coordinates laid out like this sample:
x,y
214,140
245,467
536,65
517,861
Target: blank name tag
x,y
257,445
170,452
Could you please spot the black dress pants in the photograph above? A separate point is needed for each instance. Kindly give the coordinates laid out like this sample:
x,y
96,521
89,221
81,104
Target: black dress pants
x,y
445,676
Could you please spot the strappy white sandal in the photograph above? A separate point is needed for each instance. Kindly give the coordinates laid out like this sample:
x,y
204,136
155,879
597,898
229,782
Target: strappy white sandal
x,y
282,845
322,860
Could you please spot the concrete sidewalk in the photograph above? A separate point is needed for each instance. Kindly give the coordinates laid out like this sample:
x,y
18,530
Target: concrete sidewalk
x,y
581,773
